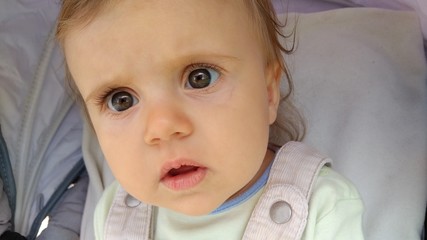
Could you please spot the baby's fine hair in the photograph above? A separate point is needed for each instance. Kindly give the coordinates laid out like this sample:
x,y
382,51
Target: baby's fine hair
x,y
289,125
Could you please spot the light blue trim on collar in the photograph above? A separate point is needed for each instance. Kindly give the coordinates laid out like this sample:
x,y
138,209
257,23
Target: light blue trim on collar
x,y
260,183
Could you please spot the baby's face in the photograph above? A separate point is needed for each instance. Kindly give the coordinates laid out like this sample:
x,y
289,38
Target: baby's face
x,y
180,98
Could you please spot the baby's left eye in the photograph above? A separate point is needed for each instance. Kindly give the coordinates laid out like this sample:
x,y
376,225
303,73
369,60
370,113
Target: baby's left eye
x,y
201,78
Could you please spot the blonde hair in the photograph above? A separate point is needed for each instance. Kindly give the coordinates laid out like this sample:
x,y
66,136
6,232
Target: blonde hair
x,y
289,125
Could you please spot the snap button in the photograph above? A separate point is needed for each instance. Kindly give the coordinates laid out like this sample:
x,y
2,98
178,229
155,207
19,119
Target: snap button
x,y
131,201
280,212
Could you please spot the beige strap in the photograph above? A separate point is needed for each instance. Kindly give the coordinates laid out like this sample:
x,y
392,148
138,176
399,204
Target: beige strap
x,y
128,218
282,210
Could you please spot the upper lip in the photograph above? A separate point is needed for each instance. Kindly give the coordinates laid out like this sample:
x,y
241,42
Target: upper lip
x,y
176,164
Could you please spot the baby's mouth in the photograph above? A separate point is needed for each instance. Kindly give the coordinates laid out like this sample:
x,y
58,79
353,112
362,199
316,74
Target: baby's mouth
x,y
183,175
182,170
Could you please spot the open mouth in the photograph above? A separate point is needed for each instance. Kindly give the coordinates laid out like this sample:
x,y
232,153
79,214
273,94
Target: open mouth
x,y
182,176
182,170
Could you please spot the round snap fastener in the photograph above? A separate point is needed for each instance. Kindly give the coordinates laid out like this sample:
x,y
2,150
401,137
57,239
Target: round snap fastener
x,y
280,212
131,201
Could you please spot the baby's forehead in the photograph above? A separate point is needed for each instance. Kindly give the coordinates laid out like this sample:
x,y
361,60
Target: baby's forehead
x,y
209,13
82,16
156,29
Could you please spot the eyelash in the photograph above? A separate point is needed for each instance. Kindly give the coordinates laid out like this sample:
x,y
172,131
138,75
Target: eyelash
x,y
194,66
102,98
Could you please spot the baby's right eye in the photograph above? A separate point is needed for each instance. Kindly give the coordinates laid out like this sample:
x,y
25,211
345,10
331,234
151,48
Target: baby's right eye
x,y
120,101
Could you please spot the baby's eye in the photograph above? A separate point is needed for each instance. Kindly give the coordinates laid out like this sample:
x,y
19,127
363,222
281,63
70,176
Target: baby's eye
x,y
121,101
201,78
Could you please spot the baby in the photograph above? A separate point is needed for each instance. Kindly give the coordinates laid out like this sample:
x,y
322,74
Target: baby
x,y
181,95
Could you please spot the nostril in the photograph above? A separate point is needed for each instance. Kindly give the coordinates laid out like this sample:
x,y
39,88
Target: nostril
x,y
152,141
179,134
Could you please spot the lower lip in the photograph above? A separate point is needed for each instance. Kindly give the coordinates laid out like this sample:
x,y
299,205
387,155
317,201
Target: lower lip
x,y
184,181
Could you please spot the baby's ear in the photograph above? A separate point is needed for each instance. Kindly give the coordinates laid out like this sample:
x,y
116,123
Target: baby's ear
x,y
273,76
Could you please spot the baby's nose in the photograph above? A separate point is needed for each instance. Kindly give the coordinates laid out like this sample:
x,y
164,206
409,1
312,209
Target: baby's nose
x,y
166,122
